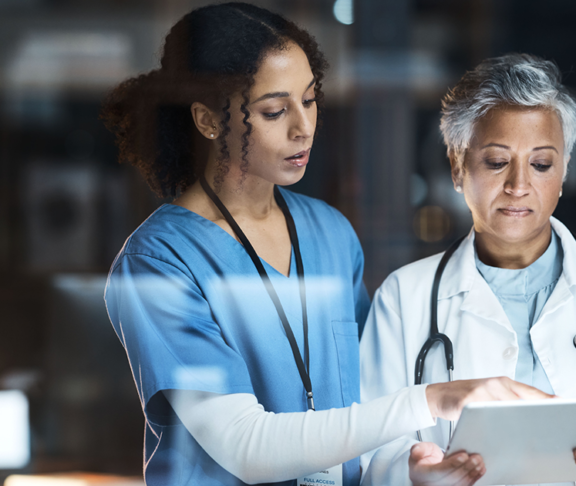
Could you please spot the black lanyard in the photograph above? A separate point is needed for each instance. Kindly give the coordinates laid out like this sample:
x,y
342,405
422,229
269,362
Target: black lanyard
x,y
302,369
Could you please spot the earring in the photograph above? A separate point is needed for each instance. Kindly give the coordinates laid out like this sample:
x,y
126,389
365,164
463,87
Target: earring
x,y
459,189
560,195
211,135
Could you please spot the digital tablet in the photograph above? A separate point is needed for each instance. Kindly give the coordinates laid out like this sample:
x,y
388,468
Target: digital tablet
x,y
521,441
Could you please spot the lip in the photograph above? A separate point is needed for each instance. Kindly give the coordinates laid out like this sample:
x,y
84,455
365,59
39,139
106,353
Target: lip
x,y
300,159
515,212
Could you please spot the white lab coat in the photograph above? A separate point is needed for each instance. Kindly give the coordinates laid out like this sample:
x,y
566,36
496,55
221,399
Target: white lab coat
x,y
485,344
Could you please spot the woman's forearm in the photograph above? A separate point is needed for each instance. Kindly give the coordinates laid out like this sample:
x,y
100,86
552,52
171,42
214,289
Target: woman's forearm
x,y
259,446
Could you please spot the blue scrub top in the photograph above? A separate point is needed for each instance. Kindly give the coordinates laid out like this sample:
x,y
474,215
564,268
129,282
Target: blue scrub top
x,y
191,311
523,294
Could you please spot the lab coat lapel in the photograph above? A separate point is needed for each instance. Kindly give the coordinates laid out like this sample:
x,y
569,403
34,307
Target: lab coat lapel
x,y
553,333
569,249
559,297
562,292
552,337
461,275
482,303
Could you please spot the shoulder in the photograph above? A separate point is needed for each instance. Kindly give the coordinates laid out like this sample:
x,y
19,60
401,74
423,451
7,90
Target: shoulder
x,y
564,233
162,237
414,279
414,271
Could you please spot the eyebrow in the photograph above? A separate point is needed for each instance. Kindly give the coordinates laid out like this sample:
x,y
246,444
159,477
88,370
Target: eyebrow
x,y
495,145
544,148
550,147
280,94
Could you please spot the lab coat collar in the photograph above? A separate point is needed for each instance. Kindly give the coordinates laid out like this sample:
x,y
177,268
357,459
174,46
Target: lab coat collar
x,y
460,272
461,275
564,290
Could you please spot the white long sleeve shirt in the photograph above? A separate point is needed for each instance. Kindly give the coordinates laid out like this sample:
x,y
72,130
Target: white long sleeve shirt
x,y
259,446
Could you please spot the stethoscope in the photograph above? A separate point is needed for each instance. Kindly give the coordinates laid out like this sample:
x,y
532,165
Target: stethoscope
x,y
436,336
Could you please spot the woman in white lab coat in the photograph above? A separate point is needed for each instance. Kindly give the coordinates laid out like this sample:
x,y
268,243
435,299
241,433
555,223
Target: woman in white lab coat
x,y
506,298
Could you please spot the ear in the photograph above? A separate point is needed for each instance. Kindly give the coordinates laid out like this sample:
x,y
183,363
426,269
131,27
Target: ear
x,y
205,120
456,171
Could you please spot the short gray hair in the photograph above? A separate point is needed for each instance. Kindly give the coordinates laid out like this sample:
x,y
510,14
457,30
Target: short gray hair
x,y
513,79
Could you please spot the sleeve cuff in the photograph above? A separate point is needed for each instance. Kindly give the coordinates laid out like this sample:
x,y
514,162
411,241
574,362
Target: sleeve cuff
x,y
419,407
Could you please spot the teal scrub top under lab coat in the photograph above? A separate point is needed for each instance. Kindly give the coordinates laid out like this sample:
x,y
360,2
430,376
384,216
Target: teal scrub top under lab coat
x,y
192,313
523,294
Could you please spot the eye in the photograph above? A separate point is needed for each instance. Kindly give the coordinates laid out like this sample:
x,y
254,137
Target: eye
x,y
308,103
274,115
541,166
495,164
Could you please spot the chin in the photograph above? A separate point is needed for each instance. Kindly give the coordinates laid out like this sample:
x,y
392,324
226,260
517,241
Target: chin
x,y
517,233
290,179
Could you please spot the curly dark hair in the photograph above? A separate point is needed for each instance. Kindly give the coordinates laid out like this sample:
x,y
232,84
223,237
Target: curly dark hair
x,y
209,55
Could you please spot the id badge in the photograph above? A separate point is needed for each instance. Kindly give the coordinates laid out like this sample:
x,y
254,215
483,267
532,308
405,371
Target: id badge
x,y
329,477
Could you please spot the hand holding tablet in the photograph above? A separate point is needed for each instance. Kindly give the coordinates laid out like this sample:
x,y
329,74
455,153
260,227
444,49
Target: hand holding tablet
x,y
521,442
429,467
464,462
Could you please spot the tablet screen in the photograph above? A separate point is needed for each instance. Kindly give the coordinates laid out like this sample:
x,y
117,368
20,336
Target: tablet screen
x,y
521,441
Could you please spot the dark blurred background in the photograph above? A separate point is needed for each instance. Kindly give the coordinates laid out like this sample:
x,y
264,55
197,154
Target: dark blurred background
x,y
66,206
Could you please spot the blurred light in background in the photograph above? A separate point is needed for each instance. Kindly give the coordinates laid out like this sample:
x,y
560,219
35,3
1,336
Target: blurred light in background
x,y
72,479
344,11
14,430
49,65
421,71
431,224
69,59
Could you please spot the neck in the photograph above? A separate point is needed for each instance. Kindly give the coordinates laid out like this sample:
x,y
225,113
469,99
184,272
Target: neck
x,y
494,252
243,194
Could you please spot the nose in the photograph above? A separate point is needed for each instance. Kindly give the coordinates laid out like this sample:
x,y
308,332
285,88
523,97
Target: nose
x,y
517,181
303,123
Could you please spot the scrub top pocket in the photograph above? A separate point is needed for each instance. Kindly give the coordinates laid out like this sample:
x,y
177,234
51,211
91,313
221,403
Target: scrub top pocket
x,y
346,337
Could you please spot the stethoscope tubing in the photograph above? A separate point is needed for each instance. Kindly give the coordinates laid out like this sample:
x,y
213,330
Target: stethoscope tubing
x,y
436,336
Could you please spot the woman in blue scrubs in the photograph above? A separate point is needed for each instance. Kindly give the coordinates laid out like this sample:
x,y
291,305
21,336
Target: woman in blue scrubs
x,y
239,304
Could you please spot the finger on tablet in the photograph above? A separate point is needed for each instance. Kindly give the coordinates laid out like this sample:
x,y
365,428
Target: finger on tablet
x,y
528,392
